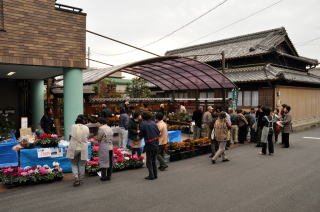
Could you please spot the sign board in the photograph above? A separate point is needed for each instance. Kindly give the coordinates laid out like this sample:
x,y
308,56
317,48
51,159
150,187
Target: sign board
x,y
50,152
25,132
235,95
24,122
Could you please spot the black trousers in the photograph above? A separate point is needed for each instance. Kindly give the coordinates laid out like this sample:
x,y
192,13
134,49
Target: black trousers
x,y
276,135
151,163
285,140
252,135
243,134
269,144
136,151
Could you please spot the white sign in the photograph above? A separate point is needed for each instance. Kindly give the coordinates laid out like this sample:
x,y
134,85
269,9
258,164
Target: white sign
x,y
50,152
44,152
24,122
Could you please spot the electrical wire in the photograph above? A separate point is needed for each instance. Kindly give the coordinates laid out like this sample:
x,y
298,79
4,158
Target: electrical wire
x,y
308,41
235,22
174,31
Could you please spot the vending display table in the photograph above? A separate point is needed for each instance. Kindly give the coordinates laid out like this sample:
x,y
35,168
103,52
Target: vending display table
x,y
8,157
46,156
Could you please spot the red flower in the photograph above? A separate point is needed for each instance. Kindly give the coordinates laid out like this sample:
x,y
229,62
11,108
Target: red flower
x,y
95,148
96,158
141,158
120,159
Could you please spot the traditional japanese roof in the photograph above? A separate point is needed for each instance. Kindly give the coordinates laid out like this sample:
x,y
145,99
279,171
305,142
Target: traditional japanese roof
x,y
263,73
168,73
242,46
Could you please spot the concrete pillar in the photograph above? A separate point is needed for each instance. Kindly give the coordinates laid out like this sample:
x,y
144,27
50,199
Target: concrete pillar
x,y
37,101
73,98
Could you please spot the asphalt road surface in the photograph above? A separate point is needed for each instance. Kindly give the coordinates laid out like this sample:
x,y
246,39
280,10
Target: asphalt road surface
x,y
288,181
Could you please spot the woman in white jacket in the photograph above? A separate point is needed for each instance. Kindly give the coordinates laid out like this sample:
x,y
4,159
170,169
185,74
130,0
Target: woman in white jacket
x,y
78,149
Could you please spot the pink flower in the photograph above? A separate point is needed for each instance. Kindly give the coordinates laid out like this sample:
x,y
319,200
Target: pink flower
x,y
135,157
95,148
96,158
9,169
24,173
43,171
120,159
54,136
30,171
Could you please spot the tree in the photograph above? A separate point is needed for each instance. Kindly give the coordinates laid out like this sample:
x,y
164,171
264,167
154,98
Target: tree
x,y
106,88
138,89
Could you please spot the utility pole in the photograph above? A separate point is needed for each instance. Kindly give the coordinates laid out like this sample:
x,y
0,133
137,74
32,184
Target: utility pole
x,y
88,56
223,61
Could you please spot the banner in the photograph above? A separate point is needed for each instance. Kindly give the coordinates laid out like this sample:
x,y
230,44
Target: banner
x,y
235,94
50,152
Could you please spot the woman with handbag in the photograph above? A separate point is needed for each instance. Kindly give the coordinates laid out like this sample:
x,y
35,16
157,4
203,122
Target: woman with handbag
x,y
277,128
267,132
134,134
104,138
221,130
78,149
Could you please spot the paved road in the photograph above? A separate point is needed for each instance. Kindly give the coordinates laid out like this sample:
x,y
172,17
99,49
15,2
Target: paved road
x,y
288,181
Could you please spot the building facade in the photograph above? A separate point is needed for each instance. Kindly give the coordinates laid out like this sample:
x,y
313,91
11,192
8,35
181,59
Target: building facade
x,y
38,40
267,69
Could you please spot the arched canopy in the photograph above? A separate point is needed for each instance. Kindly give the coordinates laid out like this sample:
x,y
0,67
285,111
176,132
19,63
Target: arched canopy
x,y
169,73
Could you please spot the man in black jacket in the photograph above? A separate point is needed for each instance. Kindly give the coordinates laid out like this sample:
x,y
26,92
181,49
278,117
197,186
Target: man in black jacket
x,y
150,132
197,118
47,123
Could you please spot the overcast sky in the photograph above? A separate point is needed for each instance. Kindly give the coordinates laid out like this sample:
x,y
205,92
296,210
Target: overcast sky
x,y
142,21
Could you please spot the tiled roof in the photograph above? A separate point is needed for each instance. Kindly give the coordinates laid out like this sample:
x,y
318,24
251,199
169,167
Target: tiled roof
x,y
269,72
241,46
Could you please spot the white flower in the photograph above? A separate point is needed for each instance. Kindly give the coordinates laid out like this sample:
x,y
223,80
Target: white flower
x,y
27,168
38,166
36,171
46,166
50,170
55,163
60,169
126,158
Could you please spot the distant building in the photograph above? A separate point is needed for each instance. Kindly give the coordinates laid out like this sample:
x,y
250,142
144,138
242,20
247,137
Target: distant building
x,y
268,70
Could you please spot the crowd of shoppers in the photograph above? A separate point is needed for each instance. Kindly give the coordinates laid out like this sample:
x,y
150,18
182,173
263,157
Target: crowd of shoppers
x,y
223,127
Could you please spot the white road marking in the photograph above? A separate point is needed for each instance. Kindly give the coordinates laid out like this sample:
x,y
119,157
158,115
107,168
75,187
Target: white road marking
x,y
311,138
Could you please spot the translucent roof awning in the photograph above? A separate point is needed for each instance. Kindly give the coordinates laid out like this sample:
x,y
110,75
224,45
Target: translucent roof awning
x,y
171,73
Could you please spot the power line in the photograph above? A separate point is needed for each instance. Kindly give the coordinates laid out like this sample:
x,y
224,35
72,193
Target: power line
x,y
308,41
123,43
99,62
235,22
176,30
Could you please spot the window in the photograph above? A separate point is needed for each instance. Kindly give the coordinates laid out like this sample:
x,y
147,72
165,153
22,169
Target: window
x,y
247,98
1,16
240,98
203,95
211,94
255,98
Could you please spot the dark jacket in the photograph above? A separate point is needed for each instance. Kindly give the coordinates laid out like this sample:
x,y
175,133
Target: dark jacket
x,y
250,119
197,117
106,113
259,117
133,128
124,121
47,124
234,119
150,131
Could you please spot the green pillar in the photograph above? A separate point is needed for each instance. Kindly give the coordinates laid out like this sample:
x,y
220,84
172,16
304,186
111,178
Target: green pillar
x,y
37,101
73,98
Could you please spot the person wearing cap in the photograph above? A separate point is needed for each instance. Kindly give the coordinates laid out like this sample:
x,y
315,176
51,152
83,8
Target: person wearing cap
x,y
207,121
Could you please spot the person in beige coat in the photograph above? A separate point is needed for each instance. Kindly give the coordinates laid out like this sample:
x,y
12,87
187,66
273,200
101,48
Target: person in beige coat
x,y
163,140
78,149
221,129
287,126
207,121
